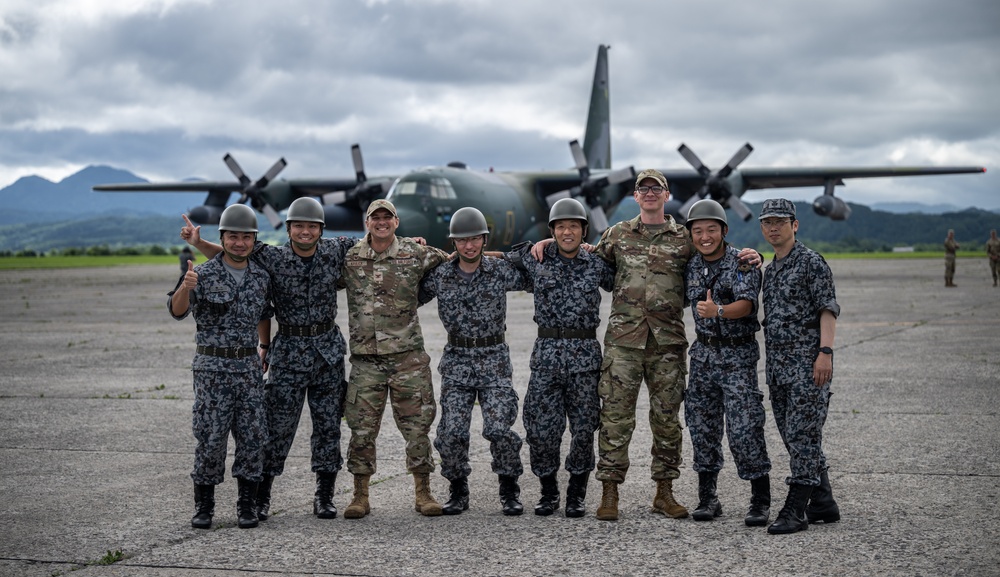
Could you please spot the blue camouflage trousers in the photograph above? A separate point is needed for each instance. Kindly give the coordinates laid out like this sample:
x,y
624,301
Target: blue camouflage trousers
x,y
554,397
405,380
287,391
800,408
224,403
726,395
623,371
498,404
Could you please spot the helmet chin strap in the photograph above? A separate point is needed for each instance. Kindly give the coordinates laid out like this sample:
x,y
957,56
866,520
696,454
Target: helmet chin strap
x,y
477,258
304,245
236,257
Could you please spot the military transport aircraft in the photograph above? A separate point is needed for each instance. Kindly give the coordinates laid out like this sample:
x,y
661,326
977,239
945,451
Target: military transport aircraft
x,y
516,204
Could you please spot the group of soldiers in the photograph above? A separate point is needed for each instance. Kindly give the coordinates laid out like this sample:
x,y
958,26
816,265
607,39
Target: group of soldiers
x,y
951,247
653,267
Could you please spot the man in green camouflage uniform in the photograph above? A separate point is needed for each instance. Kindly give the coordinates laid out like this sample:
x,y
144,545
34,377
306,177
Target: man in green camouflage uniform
x,y
950,248
993,251
382,275
645,340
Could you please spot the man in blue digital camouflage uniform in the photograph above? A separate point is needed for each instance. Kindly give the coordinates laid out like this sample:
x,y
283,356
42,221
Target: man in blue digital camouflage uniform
x,y
228,296
566,358
800,319
472,304
722,390
306,358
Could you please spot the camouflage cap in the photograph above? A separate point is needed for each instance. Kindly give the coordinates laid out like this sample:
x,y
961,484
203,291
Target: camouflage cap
x,y
777,208
651,173
381,203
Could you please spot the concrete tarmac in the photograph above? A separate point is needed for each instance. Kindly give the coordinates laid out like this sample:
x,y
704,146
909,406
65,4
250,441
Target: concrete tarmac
x,y
96,450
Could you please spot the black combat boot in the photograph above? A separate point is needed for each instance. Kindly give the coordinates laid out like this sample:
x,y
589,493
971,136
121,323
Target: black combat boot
x,y
792,517
549,503
576,495
760,502
510,495
822,507
246,504
708,500
458,499
323,506
204,506
264,498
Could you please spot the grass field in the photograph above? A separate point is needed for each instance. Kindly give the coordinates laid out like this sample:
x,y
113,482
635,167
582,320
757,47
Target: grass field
x,y
9,263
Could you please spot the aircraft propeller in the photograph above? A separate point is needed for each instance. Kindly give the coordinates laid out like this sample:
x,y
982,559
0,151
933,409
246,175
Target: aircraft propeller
x,y
362,191
717,185
252,190
590,187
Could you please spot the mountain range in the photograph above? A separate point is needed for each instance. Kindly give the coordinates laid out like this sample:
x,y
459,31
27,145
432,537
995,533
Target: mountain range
x,y
42,215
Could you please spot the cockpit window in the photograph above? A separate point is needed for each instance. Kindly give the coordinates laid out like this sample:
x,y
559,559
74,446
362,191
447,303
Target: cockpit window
x,y
437,187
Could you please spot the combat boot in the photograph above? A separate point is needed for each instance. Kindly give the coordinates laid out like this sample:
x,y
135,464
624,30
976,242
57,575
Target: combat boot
x,y
608,511
359,506
576,495
323,506
708,499
458,500
664,501
204,506
549,503
760,502
510,495
822,507
264,497
792,517
246,504
424,502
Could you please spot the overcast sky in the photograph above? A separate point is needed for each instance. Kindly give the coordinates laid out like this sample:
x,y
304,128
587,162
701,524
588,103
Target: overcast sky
x,y
166,88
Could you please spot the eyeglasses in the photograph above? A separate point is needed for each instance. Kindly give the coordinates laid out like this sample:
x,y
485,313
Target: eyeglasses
x,y
774,222
473,240
647,189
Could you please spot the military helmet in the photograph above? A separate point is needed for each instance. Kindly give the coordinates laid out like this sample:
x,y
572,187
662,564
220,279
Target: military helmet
x,y
568,208
467,222
706,209
305,209
238,218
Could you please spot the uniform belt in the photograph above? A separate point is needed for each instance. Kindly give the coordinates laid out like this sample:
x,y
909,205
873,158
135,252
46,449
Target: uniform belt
x,y
726,341
561,333
305,330
474,342
227,352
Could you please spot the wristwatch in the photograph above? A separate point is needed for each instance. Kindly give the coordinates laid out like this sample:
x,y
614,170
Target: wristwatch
x,y
720,311
826,350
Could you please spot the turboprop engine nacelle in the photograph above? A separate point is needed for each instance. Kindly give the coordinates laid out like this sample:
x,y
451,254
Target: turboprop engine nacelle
x,y
832,207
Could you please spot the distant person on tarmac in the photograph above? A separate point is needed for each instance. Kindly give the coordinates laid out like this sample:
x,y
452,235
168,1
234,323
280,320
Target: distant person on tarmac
x,y
993,252
950,248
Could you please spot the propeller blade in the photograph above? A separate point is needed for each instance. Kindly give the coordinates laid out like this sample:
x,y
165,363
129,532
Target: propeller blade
x,y
580,159
621,175
739,208
334,197
693,160
234,167
598,219
272,216
735,161
276,168
686,207
555,196
359,163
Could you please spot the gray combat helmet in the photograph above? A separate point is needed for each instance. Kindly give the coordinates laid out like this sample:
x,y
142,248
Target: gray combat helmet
x,y
238,218
305,209
569,209
467,222
706,209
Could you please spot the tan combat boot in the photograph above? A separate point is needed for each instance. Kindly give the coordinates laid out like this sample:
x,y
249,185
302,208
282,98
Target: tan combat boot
x,y
608,511
359,506
664,501
424,502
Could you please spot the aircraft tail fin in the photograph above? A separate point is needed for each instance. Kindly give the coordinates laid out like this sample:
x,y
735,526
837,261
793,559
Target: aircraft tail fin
x,y
597,140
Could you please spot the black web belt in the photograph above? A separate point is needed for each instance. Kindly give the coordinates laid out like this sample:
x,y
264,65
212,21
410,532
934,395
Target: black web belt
x,y
227,352
305,331
726,341
474,342
561,333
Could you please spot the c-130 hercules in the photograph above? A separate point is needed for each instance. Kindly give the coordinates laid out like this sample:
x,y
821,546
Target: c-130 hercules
x,y
516,203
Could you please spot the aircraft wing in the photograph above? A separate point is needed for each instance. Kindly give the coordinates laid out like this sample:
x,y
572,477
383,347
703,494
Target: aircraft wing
x,y
757,178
